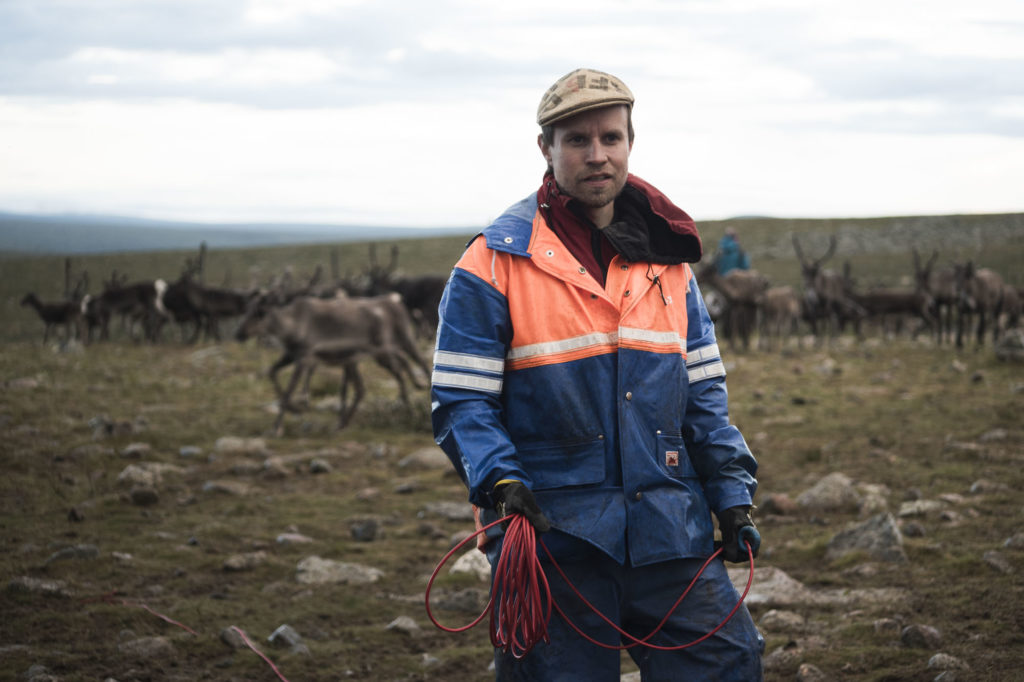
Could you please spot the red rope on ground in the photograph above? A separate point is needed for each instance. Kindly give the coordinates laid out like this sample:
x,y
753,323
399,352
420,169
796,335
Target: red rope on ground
x,y
110,598
259,653
521,603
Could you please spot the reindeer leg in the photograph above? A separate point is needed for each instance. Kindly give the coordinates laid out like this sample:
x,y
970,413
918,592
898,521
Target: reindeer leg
x,y
346,412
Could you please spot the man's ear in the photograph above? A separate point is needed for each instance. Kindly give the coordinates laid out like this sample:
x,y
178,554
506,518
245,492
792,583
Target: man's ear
x,y
544,149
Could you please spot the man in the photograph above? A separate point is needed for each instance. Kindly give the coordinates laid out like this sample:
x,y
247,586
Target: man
x,y
731,255
577,381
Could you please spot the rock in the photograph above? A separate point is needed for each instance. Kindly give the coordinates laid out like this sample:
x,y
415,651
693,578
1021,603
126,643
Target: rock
x,y
785,657
453,511
227,488
1010,347
834,492
135,450
473,562
285,636
913,529
920,508
144,496
241,446
146,648
810,673
146,474
874,500
777,620
997,561
920,637
293,539
39,673
365,530
941,661
320,466
1015,541
404,625
233,638
879,537
245,562
773,587
74,552
189,451
50,588
425,458
778,503
316,571
984,487
469,600
887,626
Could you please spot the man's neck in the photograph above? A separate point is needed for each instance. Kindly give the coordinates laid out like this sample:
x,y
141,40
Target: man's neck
x,y
601,217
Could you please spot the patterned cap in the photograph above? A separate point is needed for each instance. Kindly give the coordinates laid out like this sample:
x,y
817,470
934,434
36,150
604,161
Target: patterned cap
x,y
581,90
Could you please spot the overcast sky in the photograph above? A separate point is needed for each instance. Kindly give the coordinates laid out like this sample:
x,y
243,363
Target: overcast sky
x,y
410,112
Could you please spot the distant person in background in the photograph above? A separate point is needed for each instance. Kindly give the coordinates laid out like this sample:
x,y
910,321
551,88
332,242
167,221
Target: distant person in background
x,y
730,255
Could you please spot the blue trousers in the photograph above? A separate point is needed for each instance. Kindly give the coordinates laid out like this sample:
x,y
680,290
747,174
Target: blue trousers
x,y
636,598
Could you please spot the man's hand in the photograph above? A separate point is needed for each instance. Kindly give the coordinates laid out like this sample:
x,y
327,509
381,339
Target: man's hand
x,y
515,498
737,529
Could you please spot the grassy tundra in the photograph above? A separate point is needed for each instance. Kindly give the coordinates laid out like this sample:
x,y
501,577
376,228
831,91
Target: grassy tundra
x,y
203,545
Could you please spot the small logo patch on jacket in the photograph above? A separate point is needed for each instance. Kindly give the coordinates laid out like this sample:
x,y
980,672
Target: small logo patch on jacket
x,y
672,458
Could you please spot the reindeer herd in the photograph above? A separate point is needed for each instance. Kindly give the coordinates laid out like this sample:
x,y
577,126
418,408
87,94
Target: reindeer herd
x,y
378,315
952,304
382,316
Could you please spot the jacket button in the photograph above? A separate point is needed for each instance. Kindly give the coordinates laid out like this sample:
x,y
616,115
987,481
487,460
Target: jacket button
x,y
583,271
629,395
509,240
639,495
624,267
627,293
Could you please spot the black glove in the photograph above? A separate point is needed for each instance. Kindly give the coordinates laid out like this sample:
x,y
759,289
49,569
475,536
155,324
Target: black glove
x,y
737,529
516,498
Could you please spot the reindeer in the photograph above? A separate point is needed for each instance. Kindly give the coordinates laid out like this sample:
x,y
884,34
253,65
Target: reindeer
x,y
979,294
779,309
66,313
890,304
213,304
825,292
141,301
742,290
340,332
940,287
421,294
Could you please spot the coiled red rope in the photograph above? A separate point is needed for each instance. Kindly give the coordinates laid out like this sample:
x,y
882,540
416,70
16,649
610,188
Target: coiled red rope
x,y
520,605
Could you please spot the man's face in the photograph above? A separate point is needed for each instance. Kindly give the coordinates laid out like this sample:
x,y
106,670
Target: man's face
x,y
590,156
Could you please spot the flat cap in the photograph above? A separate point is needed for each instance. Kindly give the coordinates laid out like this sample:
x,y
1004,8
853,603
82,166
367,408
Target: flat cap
x,y
581,90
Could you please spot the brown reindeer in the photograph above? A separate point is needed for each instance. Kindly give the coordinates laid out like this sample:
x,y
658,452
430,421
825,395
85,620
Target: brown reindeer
x,y
339,332
825,297
891,306
65,313
979,302
779,315
940,287
742,290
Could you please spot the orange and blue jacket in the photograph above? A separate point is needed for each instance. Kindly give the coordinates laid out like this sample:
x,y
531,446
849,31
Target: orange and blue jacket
x,y
609,403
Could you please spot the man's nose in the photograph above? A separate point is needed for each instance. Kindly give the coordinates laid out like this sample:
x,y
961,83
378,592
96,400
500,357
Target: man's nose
x,y
596,153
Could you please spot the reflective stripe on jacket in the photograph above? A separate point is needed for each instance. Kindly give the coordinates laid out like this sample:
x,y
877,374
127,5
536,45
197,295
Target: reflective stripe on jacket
x,y
608,403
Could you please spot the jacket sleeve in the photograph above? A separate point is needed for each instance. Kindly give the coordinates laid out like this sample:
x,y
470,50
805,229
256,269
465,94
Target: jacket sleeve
x,y
718,451
473,336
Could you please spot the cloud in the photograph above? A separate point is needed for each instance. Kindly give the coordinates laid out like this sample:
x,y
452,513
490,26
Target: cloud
x,y
375,110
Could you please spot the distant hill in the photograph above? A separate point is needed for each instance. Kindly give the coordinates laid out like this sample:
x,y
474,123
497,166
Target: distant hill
x,y
82,234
